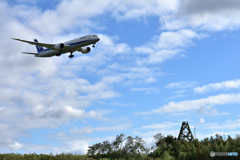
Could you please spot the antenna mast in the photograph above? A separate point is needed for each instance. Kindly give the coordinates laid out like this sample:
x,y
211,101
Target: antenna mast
x,y
195,132
185,132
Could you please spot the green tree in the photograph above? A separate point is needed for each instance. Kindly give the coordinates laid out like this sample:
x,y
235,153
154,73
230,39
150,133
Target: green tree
x,y
158,138
117,143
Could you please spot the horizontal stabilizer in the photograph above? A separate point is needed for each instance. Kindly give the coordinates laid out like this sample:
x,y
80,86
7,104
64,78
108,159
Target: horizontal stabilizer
x,y
29,53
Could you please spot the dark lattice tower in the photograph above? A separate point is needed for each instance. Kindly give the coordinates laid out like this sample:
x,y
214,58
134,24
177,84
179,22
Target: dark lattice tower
x,y
185,132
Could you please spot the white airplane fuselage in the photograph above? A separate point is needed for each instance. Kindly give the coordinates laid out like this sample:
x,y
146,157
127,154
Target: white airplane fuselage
x,y
73,45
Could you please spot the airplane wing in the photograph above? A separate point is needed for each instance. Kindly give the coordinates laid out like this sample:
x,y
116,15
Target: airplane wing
x,y
50,46
29,53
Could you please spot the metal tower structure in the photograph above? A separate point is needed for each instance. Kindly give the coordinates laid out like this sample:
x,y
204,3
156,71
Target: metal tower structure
x,y
185,132
195,132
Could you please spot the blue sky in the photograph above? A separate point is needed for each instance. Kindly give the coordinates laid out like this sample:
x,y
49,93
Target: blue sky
x,y
157,64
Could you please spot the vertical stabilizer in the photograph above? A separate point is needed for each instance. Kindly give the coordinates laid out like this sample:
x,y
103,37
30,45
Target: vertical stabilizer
x,y
39,48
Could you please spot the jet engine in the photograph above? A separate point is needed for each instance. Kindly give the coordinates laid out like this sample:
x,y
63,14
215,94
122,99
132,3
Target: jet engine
x,y
59,46
84,50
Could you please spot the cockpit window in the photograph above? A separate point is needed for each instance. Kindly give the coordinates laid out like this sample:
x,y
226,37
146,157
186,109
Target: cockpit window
x,y
94,35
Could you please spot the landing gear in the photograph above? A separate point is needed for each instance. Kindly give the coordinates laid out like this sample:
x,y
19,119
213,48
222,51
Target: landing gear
x,y
58,54
93,45
71,55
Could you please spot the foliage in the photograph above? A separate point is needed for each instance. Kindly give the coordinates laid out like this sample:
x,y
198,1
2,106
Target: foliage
x,y
132,148
34,156
166,148
170,148
122,147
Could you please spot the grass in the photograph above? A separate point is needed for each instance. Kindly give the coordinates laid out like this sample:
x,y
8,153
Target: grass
x,y
34,156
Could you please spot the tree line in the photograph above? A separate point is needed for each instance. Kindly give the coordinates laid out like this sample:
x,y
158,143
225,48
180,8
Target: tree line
x,y
165,148
133,148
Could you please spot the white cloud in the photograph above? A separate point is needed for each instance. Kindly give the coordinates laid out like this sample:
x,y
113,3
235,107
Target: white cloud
x,y
123,104
148,131
16,146
167,45
150,80
176,96
107,45
82,130
210,111
67,15
99,129
79,146
179,91
161,56
21,121
201,120
182,84
148,136
201,136
74,90
207,110
146,90
221,99
165,125
144,49
117,127
177,39
233,84
229,125
67,112
131,9
213,15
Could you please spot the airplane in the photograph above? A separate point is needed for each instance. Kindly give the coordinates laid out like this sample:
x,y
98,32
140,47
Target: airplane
x,y
71,46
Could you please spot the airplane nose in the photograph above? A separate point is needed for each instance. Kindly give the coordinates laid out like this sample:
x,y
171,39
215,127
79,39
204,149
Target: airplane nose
x,y
98,38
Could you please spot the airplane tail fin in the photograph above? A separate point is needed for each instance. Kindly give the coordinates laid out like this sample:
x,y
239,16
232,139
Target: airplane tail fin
x,y
39,48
